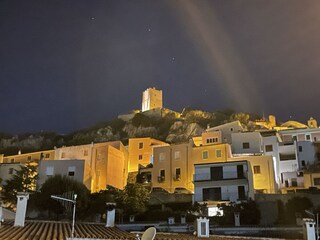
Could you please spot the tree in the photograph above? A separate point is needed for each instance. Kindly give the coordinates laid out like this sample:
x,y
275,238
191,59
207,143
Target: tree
x,y
24,180
58,185
297,205
249,213
133,199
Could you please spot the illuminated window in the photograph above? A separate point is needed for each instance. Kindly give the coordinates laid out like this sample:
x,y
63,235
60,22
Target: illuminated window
x,y
256,169
245,145
177,155
141,145
205,155
218,153
49,171
162,156
269,148
140,157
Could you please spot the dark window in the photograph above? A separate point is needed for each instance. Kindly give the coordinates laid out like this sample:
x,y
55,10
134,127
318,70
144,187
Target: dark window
x,y
12,160
308,137
256,169
141,145
178,171
240,173
316,181
300,148
245,145
241,192
29,158
213,194
216,173
140,157
162,176
47,155
315,139
71,173
294,182
269,148
294,138
10,171
286,183
231,129
303,163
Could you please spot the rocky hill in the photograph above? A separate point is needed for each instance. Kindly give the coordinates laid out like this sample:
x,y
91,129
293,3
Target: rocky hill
x,y
172,128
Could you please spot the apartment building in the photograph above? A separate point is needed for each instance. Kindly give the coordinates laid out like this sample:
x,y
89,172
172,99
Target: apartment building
x,y
173,167
25,157
222,182
141,152
71,168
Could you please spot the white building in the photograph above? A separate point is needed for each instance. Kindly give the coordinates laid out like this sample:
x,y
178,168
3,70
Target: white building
x,y
223,182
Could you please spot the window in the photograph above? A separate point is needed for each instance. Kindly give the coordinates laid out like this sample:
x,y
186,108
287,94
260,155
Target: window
x,y
85,153
162,156
294,182
140,145
47,155
256,169
162,175
205,155
178,174
316,181
245,145
12,160
140,157
300,148
303,163
49,171
240,172
10,171
294,138
218,153
216,173
269,148
211,194
177,155
231,129
308,137
315,139
29,158
63,155
71,171
241,193
212,140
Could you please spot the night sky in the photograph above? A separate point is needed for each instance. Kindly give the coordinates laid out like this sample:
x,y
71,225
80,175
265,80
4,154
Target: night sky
x,y
66,65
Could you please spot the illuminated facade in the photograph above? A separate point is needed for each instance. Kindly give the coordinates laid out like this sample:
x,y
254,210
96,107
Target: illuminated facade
x,y
104,163
173,166
151,99
262,169
25,157
141,152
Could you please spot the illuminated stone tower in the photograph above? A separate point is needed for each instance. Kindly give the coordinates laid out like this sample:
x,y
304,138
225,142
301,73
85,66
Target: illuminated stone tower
x,y
151,99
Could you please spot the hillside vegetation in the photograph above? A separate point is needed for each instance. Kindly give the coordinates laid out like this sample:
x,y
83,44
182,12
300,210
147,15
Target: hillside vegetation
x,y
170,128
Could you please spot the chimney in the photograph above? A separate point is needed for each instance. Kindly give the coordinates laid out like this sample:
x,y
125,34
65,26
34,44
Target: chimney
x,y
22,200
111,214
